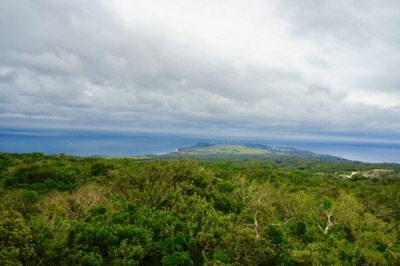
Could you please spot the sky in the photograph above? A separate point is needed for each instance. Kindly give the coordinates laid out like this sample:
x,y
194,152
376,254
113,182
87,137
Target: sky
x,y
288,68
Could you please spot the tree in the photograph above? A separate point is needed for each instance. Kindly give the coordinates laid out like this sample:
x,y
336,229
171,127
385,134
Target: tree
x,y
16,246
344,211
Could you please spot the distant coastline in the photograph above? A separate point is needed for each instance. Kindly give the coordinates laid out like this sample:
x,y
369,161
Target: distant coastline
x,y
87,143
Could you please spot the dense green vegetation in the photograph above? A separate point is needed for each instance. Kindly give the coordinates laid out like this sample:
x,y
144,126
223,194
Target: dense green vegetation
x,y
64,210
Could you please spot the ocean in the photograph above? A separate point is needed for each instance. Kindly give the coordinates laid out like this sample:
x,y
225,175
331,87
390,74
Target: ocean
x,y
89,143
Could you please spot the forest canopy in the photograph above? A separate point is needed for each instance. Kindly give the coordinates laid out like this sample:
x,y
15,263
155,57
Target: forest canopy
x,y
65,210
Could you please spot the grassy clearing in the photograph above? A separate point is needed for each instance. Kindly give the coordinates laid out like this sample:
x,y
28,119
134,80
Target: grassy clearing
x,y
226,149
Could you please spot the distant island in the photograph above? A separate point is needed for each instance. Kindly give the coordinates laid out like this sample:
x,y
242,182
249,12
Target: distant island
x,y
214,150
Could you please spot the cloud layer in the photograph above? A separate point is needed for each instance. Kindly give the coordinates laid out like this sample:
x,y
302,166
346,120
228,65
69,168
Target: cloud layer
x,y
201,66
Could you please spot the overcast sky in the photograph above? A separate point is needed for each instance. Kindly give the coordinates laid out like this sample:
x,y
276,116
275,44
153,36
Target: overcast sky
x,y
202,66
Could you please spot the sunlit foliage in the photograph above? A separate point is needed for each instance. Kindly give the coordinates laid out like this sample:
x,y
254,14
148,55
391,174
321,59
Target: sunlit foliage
x,y
63,210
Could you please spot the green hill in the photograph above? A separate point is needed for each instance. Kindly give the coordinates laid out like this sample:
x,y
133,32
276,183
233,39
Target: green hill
x,y
226,150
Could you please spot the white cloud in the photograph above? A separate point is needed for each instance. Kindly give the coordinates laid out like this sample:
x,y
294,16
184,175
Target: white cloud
x,y
194,65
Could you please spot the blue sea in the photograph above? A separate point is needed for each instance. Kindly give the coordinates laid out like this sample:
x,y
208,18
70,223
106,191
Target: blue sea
x,y
88,143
